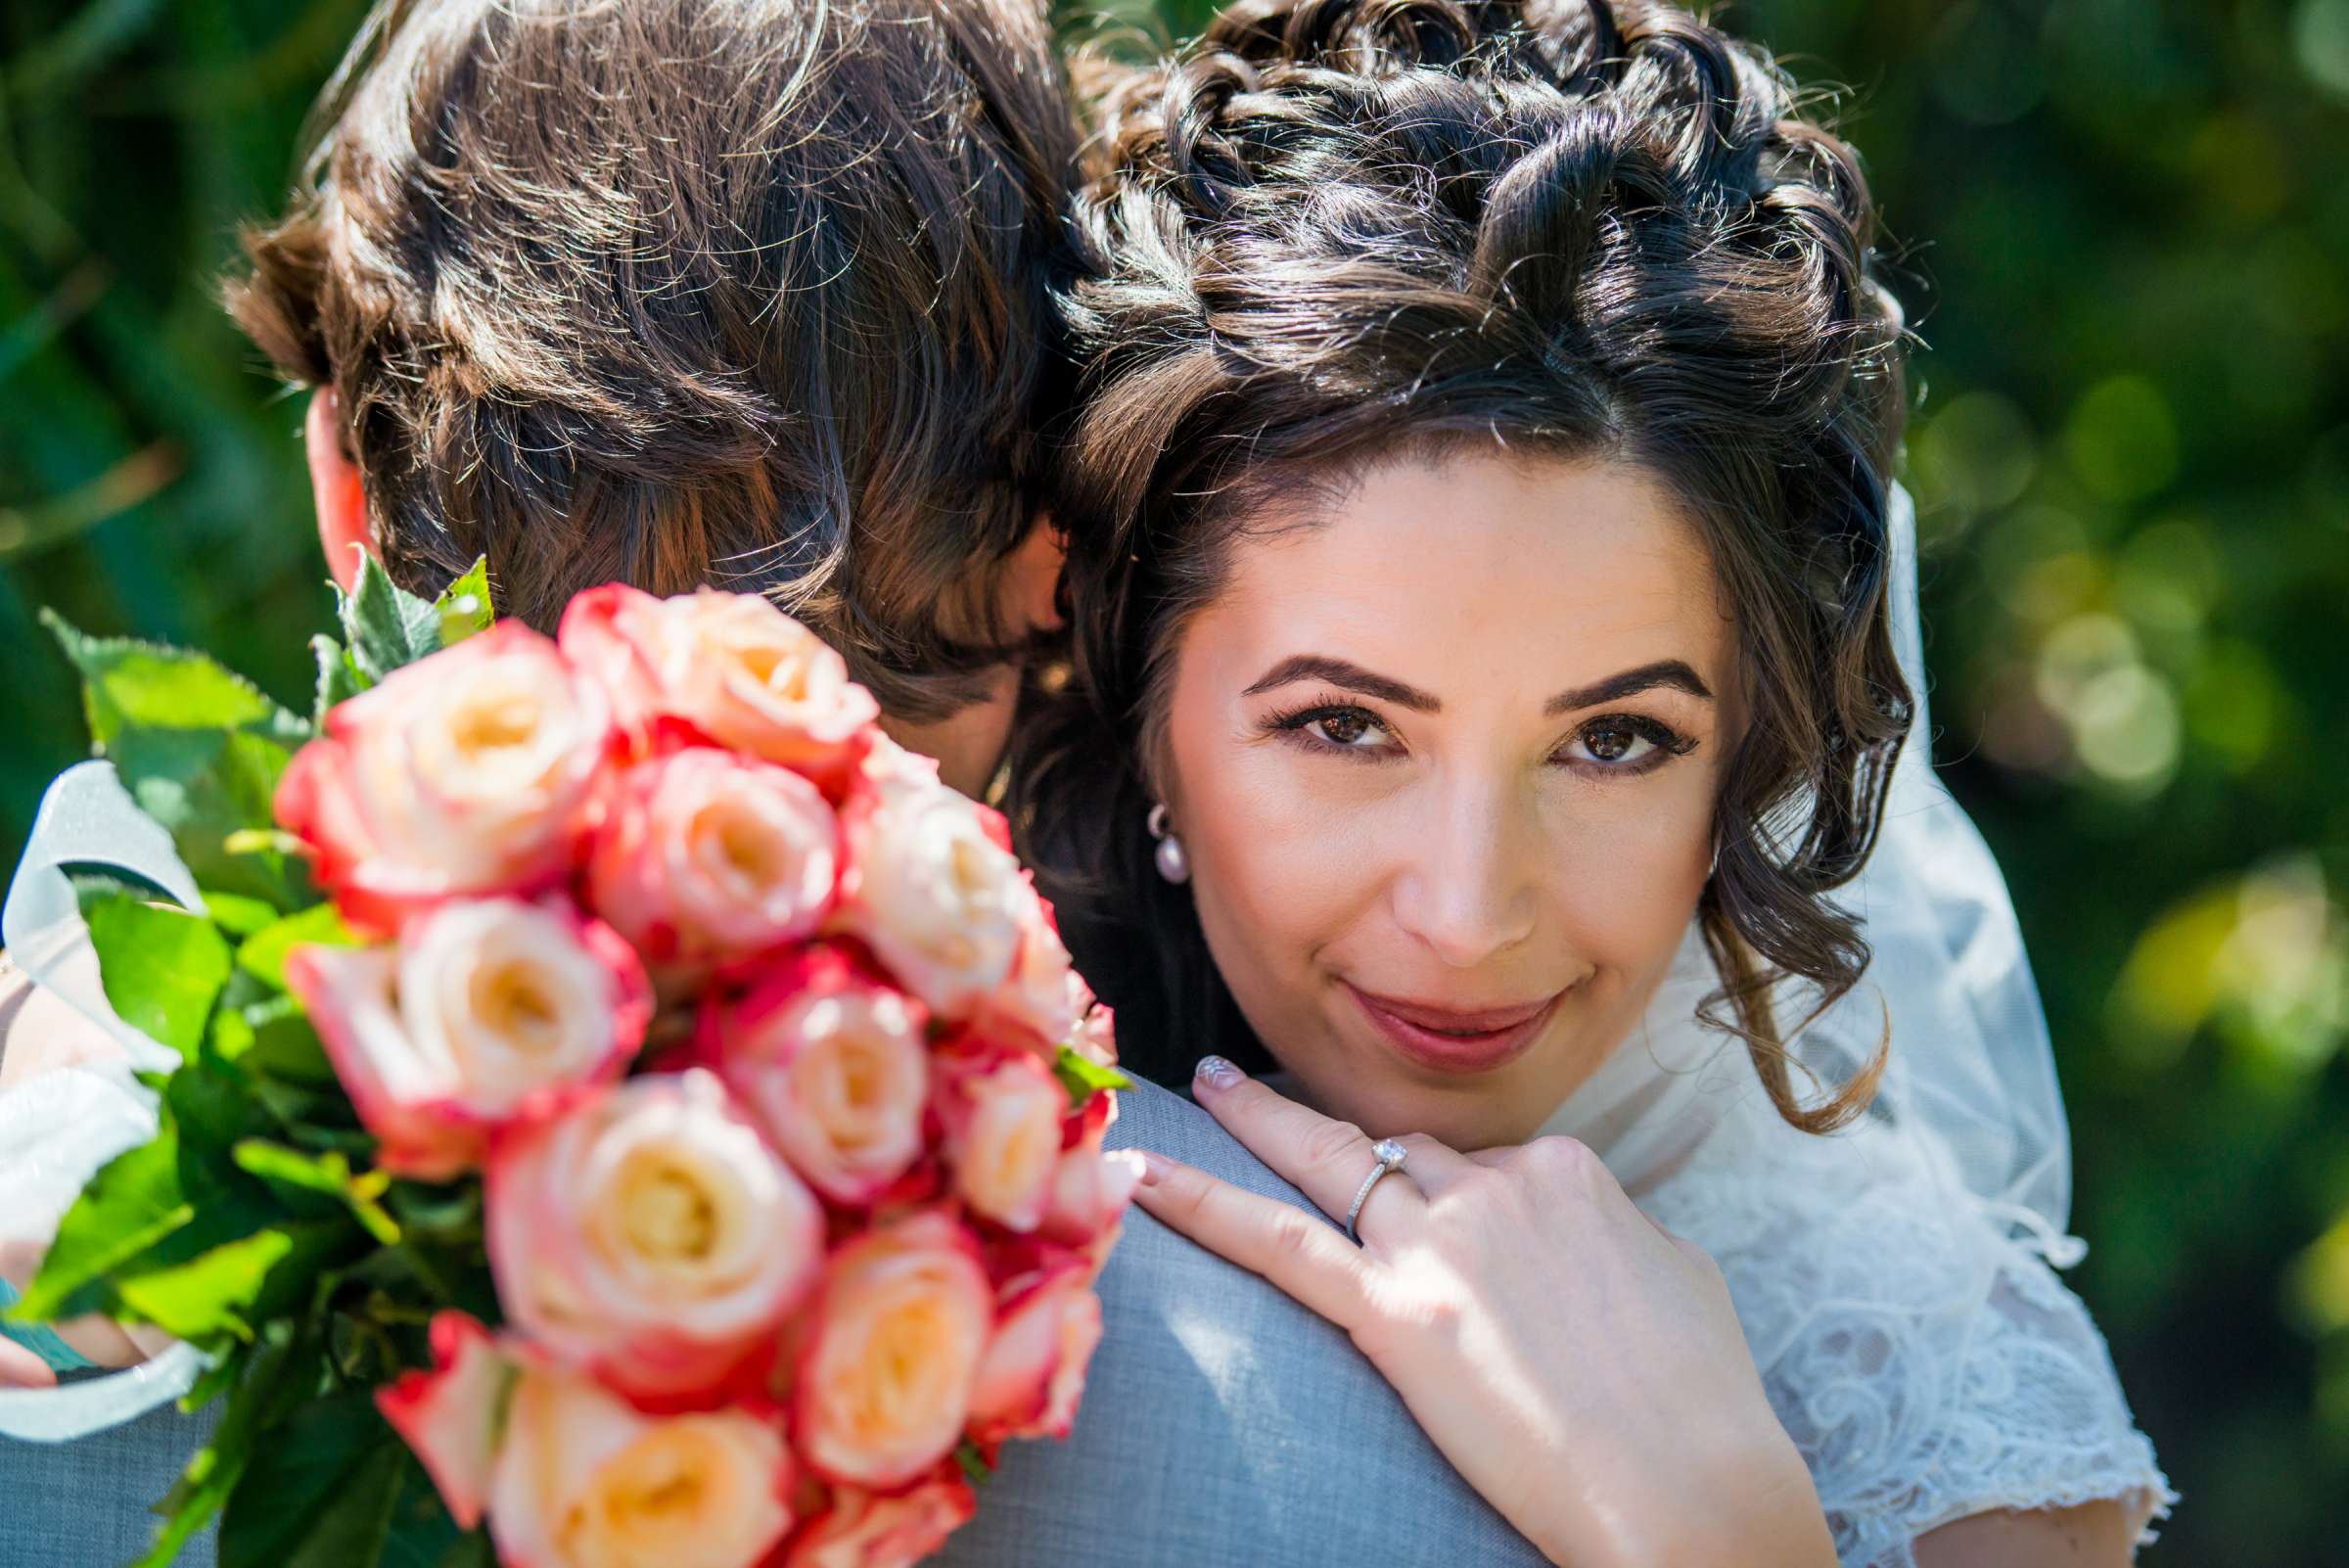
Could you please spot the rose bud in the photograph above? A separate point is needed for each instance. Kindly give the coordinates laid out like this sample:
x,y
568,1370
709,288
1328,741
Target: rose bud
x,y
449,1415
1043,999
584,1480
1002,1111
619,636
1091,1191
486,1010
705,857
464,774
931,886
649,1235
885,759
883,1383
834,1066
1032,1374
734,666
893,1530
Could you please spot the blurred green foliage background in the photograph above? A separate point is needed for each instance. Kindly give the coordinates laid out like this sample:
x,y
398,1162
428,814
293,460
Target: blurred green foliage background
x,y
2125,236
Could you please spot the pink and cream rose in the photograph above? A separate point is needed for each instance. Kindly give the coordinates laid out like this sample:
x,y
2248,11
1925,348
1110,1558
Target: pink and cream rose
x,y
584,1480
882,1386
932,886
486,1010
705,857
731,665
464,774
651,1236
835,1066
1032,1374
571,1476
1002,1111
861,1529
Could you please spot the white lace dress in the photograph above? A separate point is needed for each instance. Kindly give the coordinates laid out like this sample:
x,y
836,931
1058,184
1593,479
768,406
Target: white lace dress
x,y
1913,1337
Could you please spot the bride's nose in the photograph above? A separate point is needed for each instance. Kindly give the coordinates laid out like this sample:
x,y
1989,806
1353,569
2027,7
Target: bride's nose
x,y
1466,878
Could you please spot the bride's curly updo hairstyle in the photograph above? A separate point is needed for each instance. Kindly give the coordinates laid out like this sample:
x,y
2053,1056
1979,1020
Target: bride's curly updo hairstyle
x,y
1335,229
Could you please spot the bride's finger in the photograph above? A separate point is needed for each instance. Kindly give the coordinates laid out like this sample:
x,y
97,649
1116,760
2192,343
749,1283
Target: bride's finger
x,y
1324,1158
21,1368
1306,1259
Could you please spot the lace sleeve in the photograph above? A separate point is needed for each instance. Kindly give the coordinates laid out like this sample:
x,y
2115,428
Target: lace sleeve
x,y
1925,1358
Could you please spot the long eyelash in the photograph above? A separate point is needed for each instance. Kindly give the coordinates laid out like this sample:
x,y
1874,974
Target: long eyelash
x,y
1290,723
1668,743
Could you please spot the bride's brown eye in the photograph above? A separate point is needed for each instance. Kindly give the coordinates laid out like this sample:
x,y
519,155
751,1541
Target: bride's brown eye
x,y
1626,744
1336,728
1609,743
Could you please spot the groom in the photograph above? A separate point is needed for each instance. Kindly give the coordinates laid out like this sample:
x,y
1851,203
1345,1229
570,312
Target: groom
x,y
803,276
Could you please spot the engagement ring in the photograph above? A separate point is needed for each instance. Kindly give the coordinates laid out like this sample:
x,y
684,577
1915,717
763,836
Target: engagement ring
x,y
1391,1155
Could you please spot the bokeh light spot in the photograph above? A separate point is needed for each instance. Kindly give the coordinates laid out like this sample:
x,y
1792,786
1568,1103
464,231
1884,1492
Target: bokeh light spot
x,y
2121,438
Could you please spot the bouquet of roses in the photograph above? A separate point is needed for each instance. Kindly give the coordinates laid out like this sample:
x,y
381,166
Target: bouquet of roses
x,y
628,1111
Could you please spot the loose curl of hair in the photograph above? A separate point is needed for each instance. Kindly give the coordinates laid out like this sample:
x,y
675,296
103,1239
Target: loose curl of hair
x,y
1338,230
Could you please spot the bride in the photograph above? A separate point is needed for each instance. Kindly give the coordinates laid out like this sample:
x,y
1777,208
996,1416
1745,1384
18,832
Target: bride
x,y
1488,682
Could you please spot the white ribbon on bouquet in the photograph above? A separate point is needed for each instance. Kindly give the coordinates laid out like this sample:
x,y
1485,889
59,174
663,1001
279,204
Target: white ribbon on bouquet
x,y
58,1128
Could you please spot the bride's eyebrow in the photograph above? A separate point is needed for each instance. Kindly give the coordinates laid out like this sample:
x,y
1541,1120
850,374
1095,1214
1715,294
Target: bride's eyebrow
x,y
1346,673
1672,673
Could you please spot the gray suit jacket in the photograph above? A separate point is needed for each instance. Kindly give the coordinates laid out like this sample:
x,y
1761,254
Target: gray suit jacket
x,y
1223,1426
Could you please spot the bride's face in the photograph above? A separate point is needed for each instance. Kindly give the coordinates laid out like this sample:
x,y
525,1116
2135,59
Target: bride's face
x,y
1444,760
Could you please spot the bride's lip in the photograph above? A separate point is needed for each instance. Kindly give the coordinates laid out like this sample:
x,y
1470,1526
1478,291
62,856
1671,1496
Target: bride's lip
x,y
1453,1039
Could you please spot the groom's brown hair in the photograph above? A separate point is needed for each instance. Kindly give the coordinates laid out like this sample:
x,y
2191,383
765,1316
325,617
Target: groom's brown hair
x,y
672,292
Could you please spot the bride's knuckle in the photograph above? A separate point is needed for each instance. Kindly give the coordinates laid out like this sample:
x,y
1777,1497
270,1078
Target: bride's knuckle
x,y
1289,1240
1330,1142
1559,1158
1705,1264
1478,1190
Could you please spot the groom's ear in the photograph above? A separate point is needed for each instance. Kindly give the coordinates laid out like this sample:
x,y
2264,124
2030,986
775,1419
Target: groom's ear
x,y
1029,592
339,489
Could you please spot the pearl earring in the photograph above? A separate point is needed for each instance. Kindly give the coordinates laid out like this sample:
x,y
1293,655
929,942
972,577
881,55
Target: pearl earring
x,y
1173,863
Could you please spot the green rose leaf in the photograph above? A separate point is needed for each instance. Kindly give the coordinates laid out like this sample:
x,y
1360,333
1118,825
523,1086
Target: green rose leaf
x,y
237,914
464,604
387,627
1084,1078
474,1550
328,1174
283,1044
264,953
276,1377
974,1463
211,1294
320,1493
424,1536
338,678
228,1290
133,1203
199,747
210,1104
162,967
141,685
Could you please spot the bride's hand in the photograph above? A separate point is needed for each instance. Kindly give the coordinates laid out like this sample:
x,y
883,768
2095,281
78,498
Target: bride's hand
x,y
1577,1364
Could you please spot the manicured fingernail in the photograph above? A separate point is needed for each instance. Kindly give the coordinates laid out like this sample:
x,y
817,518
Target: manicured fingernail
x,y
1155,1168
1216,1072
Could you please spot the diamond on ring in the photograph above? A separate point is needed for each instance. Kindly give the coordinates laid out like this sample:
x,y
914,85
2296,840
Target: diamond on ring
x,y
1390,1156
